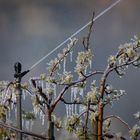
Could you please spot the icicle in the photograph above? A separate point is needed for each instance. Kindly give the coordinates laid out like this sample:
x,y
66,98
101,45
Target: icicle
x,y
90,64
81,92
42,85
71,56
40,98
24,94
74,91
23,123
40,115
14,98
39,83
12,106
1,96
9,114
64,65
35,111
59,65
73,97
15,111
43,119
81,109
27,125
72,94
54,88
67,113
47,86
75,106
85,70
5,95
70,110
31,125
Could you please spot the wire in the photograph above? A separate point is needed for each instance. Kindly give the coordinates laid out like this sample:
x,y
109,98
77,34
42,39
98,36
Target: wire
x,y
74,34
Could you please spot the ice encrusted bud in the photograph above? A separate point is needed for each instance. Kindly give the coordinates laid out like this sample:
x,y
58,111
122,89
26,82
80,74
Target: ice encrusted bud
x,y
91,95
134,132
137,115
112,59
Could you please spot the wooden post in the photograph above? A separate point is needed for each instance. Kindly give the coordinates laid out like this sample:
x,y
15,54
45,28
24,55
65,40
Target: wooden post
x,y
19,108
18,75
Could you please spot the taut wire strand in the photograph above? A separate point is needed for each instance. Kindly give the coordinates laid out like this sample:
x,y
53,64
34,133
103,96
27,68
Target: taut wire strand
x,y
74,34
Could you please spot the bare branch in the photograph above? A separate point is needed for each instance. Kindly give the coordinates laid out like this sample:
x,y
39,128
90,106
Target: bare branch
x,y
59,97
21,131
62,58
120,119
86,40
86,76
87,118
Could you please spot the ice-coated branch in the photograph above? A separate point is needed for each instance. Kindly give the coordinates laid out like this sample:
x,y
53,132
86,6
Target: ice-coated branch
x,y
22,131
119,119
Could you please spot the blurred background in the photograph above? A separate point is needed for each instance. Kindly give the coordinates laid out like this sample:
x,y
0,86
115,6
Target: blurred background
x,y
31,28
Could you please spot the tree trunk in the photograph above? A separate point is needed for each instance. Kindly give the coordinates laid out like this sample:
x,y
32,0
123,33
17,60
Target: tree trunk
x,y
50,128
100,122
95,130
100,114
